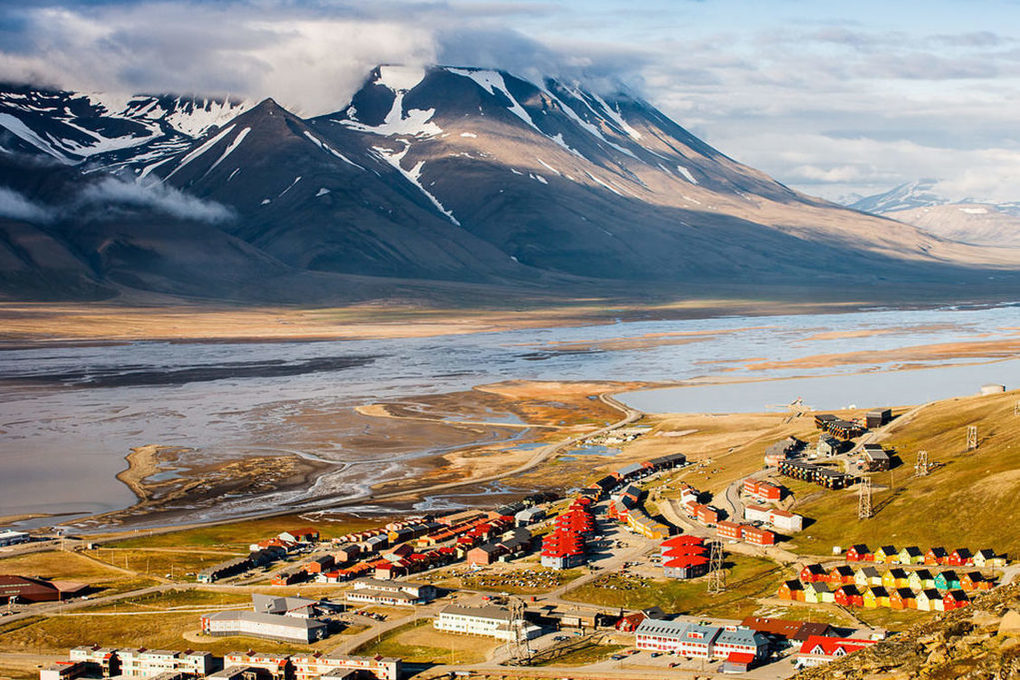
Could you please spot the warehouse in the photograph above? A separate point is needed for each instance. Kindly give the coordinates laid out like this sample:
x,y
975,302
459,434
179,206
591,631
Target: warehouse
x,y
11,537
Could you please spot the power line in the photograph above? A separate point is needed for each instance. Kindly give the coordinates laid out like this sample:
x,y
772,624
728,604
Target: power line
x,y
864,499
716,575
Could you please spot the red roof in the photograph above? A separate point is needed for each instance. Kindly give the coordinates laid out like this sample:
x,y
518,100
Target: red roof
x,y
686,551
691,561
829,645
685,539
740,657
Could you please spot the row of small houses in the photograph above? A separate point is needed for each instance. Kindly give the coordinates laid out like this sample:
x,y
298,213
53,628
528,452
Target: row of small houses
x,y
261,554
809,472
915,579
929,599
838,427
602,487
959,557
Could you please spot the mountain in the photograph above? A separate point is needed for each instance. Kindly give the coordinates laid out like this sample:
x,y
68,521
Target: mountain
x,y
439,174
917,194
968,221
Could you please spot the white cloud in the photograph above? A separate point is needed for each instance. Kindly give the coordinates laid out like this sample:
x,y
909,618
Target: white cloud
x,y
15,206
157,196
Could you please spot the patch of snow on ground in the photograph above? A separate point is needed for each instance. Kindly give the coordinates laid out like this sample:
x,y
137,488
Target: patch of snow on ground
x,y
327,148
204,115
149,168
202,149
593,129
413,175
265,201
469,134
687,174
233,145
296,180
322,192
558,138
608,186
549,167
974,211
516,172
538,178
236,170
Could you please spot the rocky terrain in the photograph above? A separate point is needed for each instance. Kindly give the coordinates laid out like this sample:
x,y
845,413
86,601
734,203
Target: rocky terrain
x,y
978,642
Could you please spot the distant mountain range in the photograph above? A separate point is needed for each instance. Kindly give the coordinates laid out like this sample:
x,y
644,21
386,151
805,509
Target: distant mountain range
x,y
968,220
427,177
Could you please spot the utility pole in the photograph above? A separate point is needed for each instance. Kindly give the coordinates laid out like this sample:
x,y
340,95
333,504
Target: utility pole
x,y
972,438
864,499
921,466
716,575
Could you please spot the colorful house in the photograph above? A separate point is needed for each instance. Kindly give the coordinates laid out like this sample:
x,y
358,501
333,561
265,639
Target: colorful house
x,y
866,577
859,553
955,599
841,575
911,555
848,596
961,557
813,573
875,597
947,580
929,600
902,598
887,554
920,579
974,580
895,578
791,590
818,593
984,559
819,649
936,556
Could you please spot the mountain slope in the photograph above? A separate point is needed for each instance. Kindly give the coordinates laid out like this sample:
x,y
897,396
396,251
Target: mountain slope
x,y
438,174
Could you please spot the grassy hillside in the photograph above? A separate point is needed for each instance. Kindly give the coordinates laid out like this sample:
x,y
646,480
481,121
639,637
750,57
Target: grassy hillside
x,y
968,500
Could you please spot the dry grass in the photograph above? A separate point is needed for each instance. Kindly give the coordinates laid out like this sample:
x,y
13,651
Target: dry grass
x,y
68,566
419,642
969,501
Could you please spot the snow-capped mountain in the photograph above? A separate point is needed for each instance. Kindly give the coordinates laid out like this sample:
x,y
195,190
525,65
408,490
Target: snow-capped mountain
x,y
440,173
968,220
74,127
917,194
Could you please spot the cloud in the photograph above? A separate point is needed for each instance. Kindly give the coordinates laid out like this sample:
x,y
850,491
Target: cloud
x,y
15,206
156,196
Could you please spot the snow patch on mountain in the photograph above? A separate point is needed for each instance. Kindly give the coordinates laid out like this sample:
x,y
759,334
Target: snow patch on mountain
x,y
687,174
22,131
328,149
230,148
201,150
490,81
413,175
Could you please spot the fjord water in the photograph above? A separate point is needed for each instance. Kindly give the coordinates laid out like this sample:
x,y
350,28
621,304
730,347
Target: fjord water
x,y
69,414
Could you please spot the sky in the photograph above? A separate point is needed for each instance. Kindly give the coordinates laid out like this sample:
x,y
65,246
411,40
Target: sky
x,y
830,98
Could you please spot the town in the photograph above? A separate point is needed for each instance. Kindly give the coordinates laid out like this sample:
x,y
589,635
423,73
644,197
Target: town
x,y
548,581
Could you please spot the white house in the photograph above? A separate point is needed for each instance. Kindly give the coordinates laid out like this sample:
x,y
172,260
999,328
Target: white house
x,y
489,621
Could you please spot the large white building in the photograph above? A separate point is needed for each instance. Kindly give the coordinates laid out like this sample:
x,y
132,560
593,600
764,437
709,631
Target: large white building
x,y
267,626
11,537
694,640
394,593
143,663
489,621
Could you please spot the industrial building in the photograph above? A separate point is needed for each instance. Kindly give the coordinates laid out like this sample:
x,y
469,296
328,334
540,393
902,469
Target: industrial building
x,y
489,621
266,626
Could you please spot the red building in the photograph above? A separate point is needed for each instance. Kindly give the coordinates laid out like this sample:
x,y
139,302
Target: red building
x,y
726,529
859,553
849,596
841,575
961,557
707,515
936,556
756,536
813,573
954,599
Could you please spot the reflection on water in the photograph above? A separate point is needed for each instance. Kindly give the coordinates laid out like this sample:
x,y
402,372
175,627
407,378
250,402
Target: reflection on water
x,y
62,442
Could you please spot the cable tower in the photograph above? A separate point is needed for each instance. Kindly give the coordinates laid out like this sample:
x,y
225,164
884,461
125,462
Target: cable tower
x,y
972,439
716,575
921,466
864,499
519,649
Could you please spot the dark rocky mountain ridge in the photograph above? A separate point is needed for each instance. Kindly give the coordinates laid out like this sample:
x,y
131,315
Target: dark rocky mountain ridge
x,y
437,174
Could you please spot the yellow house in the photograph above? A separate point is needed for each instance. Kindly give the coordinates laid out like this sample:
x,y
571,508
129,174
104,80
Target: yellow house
x,y
817,593
911,555
870,601
887,554
895,578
